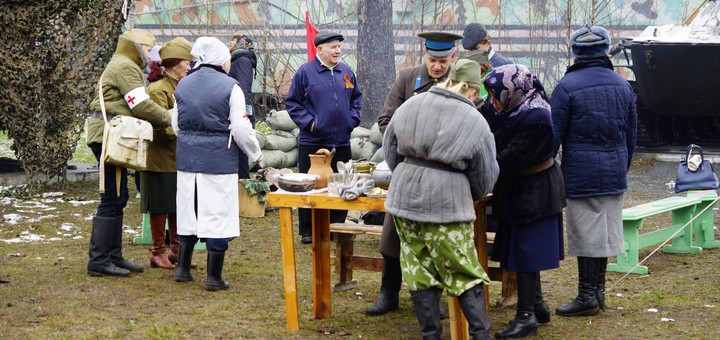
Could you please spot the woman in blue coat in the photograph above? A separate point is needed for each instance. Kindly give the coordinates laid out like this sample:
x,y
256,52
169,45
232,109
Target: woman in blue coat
x,y
529,196
593,111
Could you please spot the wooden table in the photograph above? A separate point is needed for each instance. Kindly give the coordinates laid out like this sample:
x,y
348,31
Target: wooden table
x,y
321,203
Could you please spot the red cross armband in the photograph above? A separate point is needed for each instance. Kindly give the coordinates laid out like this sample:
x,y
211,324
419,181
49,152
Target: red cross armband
x,y
136,96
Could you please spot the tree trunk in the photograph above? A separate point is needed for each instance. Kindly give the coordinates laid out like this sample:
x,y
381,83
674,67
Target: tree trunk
x,y
375,57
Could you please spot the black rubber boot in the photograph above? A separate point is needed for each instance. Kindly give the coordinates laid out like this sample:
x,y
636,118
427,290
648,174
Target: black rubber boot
x,y
387,301
182,269
524,324
586,302
600,290
425,304
472,303
540,308
101,238
214,281
116,251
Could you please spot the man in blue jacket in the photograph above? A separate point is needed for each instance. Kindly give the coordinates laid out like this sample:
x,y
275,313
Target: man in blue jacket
x,y
324,101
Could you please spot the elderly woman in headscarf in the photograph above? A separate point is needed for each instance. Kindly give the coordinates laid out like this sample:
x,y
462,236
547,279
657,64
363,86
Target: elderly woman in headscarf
x,y
158,184
442,154
529,195
211,127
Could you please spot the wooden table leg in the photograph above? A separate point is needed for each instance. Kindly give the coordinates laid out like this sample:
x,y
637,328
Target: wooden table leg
x,y
458,323
481,246
287,244
321,262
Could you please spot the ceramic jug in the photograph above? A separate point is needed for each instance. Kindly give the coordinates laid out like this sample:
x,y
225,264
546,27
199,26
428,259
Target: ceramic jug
x,y
320,165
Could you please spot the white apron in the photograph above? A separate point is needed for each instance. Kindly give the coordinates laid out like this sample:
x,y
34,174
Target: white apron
x,y
217,212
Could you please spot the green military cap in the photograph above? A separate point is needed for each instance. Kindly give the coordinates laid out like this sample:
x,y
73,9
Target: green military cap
x,y
178,48
439,44
140,36
465,70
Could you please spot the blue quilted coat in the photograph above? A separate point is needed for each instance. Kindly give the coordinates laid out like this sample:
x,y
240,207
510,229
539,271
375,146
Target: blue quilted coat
x,y
595,121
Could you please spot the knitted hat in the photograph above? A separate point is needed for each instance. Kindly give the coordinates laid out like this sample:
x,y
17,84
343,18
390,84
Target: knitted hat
x,y
465,70
472,35
178,48
590,42
140,36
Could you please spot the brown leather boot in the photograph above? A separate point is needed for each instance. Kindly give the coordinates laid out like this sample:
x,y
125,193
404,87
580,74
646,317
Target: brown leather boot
x,y
175,241
158,258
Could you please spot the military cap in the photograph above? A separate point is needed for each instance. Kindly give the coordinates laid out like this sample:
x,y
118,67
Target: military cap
x,y
178,48
465,70
140,36
439,44
324,37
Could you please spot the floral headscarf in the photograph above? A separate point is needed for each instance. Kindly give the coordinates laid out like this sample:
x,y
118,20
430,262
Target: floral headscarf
x,y
517,89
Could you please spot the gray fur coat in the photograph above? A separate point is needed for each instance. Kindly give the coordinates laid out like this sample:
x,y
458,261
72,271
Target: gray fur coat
x,y
444,127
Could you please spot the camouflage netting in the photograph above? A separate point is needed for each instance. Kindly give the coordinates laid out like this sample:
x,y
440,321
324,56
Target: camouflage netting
x,y
52,55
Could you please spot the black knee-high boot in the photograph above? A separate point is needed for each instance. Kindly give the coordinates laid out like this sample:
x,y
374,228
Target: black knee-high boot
x,y
586,302
541,309
184,261
101,240
390,287
600,289
214,279
472,303
524,324
426,304
116,256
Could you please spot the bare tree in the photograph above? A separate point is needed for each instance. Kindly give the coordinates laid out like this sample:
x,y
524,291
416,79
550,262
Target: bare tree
x,y
375,66
52,57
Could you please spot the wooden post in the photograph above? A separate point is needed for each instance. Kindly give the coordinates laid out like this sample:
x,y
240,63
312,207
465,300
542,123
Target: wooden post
x,y
287,244
321,262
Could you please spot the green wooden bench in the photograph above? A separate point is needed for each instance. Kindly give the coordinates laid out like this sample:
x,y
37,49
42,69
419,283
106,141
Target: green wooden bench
x,y
681,208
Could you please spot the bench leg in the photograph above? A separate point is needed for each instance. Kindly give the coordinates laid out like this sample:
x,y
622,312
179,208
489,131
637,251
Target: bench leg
x,y
344,250
628,260
682,242
704,227
458,323
509,289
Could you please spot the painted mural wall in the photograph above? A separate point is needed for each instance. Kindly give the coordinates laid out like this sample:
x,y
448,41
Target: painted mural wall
x,y
532,32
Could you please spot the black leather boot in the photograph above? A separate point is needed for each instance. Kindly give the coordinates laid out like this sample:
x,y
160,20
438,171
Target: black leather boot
x,y
586,302
425,304
540,308
116,250
101,239
214,281
600,292
524,324
472,303
182,269
387,301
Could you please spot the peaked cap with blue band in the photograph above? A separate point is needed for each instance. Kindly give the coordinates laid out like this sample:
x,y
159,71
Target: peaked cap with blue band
x,y
439,44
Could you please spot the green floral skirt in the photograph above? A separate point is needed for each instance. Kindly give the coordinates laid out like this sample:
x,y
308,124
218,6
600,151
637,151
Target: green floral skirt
x,y
439,255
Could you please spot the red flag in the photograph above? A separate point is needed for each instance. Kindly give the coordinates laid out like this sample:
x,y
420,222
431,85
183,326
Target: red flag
x,y
311,32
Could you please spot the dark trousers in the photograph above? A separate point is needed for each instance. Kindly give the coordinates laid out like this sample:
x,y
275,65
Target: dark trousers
x,y
110,204
342,154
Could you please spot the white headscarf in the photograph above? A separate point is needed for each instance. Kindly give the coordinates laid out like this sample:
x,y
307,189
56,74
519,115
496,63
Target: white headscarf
x,y
211,51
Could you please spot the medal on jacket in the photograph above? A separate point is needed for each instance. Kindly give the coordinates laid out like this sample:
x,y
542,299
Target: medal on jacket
x,y
348,84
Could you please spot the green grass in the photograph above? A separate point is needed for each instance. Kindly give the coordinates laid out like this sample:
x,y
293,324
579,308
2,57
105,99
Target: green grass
x,y
82,153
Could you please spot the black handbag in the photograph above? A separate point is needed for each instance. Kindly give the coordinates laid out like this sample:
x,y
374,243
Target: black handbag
x,y
703,178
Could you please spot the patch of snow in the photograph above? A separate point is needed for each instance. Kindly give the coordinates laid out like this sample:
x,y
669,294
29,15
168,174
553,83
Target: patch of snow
x,y
30,204
680,34
76,203
77,237
131,232
70,227
652,310
6,200
709,306
52,194
26,236
667,320
54,239
12,218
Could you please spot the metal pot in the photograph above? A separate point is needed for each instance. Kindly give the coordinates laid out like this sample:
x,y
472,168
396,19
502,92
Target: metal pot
x,y
382,175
